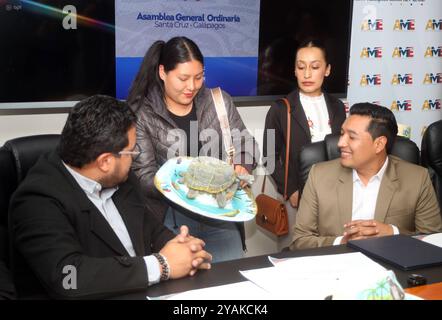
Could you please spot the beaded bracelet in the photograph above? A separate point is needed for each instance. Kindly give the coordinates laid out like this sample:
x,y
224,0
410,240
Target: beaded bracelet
x,y
165,270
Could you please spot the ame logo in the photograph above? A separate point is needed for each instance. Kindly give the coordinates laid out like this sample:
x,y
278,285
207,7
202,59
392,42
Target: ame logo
x,y
431,104
404,24
433,24
372,25
370,80
433,52
406,78
403,52
431,78
398,105
375,52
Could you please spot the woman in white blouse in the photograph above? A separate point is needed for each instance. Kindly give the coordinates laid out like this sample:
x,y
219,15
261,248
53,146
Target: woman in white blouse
x,y
314,114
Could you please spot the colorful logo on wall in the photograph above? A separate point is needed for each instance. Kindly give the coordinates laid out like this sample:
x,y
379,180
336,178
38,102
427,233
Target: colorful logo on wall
x,y
403,52
433,52
434,25
404,25
370,80
431,104
398,105
375,52
372,25
402,79
431,78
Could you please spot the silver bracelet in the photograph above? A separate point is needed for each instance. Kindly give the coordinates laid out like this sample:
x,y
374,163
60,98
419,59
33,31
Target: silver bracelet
x,y
165,270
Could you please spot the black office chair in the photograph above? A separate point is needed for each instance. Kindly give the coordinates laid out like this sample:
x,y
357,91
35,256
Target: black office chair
x,y
17,156
328,150
7,187
432,155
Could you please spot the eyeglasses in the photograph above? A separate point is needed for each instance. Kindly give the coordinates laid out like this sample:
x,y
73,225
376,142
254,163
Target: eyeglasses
x,y
135,153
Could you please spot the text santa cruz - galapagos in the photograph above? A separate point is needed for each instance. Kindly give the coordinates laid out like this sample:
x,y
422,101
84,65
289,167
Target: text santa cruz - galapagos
x,y
180,20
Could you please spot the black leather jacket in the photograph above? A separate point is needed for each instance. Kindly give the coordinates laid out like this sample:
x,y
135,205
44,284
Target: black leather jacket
x,y
154,125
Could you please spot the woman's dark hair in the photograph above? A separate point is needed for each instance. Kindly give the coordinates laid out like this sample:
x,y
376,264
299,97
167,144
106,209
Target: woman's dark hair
x,y
382,123
95,125
314,43
169,54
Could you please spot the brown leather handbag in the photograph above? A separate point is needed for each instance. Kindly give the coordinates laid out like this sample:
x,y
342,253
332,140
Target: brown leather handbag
x,y
272,213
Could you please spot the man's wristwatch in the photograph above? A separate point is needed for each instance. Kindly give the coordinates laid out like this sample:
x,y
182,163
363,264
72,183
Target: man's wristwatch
x,y
165,270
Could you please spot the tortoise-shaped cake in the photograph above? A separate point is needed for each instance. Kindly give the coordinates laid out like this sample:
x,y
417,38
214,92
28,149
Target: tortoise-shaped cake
x,y
212,176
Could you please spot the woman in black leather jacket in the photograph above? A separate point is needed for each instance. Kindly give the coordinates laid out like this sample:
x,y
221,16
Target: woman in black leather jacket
x,y
168,93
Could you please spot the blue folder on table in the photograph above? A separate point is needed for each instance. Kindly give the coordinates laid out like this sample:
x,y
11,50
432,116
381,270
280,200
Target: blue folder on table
x,y
403,252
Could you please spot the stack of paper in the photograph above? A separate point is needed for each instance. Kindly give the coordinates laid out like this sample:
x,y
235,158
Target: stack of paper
x,y
244,290
317,277
435,239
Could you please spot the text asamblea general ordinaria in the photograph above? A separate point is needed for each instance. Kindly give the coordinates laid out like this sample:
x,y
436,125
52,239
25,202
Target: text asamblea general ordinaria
x,y
162,16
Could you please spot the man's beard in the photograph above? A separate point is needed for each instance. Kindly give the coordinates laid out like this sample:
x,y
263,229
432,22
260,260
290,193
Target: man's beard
x,y
113,180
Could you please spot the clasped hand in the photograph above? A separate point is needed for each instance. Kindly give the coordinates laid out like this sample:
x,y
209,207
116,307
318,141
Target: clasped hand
x,y
363,229
185,254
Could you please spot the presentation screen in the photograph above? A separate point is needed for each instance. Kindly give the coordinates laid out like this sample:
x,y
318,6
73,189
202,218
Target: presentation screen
x,y
47,55
225,31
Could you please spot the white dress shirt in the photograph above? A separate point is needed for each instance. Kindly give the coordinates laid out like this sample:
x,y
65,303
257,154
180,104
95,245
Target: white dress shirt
x,y
365,198
318,121
102,199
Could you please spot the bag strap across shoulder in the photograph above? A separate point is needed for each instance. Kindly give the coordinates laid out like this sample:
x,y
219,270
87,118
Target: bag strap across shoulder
x,y
287,153
223,118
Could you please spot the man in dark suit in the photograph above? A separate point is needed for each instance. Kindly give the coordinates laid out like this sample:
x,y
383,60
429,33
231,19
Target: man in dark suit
x,y
79,220
7,288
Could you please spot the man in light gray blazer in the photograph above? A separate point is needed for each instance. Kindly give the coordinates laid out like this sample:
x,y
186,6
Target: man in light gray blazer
x,y
366,193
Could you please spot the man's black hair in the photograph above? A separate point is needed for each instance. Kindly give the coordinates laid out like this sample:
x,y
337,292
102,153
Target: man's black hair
x,y
382,123
95,125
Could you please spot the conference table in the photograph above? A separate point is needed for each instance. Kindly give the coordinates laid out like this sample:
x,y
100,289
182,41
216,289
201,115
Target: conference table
x,y
228,272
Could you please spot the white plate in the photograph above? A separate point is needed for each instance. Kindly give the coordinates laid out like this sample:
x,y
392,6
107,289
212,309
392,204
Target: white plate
x,y
241,208
409,296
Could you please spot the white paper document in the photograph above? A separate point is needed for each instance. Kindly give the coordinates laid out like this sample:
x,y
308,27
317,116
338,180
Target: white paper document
x,y
435,239
340,276
244,290
316,277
